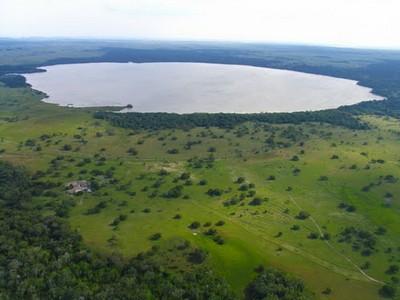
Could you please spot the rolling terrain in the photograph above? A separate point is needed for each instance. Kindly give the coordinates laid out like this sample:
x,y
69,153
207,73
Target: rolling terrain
x,y
315,195
315,200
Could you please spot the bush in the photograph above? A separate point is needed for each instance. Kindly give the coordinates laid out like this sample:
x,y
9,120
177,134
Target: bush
x,y
302,215
219,240
155,236
203,182
240,180
220,223
132,151
173,151
174,192
214,192
256,201
67,147
313,236
323,178
295,227
194,225
210,231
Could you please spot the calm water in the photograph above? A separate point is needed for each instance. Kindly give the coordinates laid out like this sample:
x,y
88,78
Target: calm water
x,y
194,87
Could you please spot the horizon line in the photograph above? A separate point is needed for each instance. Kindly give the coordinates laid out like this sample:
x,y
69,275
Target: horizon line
x,y
217,41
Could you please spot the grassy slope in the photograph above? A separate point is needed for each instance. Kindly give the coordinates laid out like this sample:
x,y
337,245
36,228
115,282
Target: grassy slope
x,y
250,233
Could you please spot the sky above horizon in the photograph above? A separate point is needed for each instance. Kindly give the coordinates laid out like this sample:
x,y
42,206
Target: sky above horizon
x,y
352,23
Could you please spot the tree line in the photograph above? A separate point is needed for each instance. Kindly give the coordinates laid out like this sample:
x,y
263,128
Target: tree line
x,y
155,121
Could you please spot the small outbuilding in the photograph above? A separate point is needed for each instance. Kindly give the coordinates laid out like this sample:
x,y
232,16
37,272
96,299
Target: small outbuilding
x,y
80,186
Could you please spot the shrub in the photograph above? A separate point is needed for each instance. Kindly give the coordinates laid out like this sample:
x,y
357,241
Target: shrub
x,y
194,225
203,182
295,227
327,291
219,240
256,201
67,147
174,192
240,180
132,151
173,151
220,223
302,215
313,236
210,231
155,236
214,192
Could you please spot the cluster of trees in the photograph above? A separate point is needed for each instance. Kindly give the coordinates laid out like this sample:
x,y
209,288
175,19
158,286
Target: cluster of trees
x,y
361,240
273,284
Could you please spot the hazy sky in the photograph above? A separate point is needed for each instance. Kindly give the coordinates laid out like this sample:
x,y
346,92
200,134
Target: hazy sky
x,y
372,23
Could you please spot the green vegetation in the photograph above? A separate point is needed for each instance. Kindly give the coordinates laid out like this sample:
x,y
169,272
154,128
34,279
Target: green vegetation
x,y
179,202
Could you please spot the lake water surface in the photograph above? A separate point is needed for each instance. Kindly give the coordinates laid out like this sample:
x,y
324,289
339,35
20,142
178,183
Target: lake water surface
x,y
194,87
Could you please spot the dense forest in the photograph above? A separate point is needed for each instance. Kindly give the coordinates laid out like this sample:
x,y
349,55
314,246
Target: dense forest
x,y
13,81
42,258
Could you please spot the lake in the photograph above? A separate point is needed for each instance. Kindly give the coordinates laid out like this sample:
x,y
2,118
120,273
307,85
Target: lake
x,y
194,87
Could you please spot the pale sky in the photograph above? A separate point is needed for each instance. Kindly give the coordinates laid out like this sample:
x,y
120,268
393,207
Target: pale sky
x,y
355,23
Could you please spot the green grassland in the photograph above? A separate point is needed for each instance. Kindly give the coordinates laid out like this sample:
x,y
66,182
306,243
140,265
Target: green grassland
x,y
163,181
